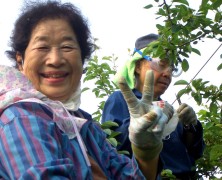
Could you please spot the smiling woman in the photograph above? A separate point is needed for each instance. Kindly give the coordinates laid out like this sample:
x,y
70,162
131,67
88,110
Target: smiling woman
x,y
40,117
47,49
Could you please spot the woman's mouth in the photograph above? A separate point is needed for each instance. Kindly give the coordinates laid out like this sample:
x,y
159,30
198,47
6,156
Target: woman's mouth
x,y
55,78
54,75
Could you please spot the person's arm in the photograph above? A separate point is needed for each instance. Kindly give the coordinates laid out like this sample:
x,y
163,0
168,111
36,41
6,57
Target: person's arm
x,y
147,123
192,130
31,144
115,165
193,139
116,109
148,165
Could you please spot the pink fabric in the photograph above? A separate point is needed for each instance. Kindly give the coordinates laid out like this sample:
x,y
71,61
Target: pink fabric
x,y
15,87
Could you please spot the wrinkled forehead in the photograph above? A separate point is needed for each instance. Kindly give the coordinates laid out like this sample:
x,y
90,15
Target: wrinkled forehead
x,y
12,78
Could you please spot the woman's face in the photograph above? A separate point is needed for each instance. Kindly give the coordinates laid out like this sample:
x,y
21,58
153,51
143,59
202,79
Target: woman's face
x,y
52,59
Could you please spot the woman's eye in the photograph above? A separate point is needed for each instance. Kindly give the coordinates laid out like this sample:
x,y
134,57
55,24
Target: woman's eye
x,y
67,48
43,48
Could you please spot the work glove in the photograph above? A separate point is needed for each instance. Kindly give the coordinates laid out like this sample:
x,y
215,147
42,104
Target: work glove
x,y
168,110
187,115
147,121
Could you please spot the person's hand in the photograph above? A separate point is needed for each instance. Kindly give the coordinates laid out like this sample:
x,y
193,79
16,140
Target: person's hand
x,y
168,110
147,121
186,114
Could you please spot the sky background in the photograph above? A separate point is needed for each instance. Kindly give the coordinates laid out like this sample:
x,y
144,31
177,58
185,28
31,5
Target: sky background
x,y
117,24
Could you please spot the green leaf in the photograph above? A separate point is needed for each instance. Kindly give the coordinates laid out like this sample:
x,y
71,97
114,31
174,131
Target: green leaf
x,y
197,83
107,131
176,28
124,152
213,108
112,141
107,58
185,65
184,54
85,89
161,12
219,67
109,124
182,1
181,82
114,134
196,51
215,152
158,26
218,17
197,97
216,4
181,92
148,6
203,4
167,173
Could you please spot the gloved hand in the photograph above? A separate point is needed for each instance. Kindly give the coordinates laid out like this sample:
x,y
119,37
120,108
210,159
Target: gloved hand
x,y
147,121
186,114
172,118
168,110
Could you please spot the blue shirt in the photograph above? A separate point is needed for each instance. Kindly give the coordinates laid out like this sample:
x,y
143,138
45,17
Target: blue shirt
x,y
33,147
174,156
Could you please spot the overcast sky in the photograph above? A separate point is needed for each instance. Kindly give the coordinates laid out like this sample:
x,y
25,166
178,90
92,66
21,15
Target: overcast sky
x,y
117,24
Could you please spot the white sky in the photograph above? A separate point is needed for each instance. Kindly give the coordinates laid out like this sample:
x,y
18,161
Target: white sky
x,y
117,24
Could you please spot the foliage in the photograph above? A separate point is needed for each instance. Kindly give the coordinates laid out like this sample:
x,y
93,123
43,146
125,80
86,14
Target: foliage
x,y
167,174
210,98
101,73
183,28
107,126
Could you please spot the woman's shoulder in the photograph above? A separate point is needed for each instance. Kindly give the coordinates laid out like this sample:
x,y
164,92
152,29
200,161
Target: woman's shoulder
x,y
115,96
116,93
21,109
83,114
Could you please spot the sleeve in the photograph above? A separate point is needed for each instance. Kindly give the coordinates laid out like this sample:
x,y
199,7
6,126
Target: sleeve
x,y
112,108
30,144
197,149
115,165
116,110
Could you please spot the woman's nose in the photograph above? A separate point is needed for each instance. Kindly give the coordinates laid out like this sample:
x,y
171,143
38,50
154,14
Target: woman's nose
x,y
55,57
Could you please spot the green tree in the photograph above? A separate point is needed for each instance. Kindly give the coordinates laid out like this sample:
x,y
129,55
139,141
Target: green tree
x,y
182,28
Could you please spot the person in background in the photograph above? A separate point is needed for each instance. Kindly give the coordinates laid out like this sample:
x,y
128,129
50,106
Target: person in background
x,y
43,132
185,144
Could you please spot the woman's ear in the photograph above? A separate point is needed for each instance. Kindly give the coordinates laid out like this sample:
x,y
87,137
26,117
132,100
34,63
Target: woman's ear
x,y
19,61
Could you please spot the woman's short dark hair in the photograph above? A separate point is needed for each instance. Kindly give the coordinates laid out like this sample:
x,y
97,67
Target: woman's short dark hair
x,y
34,12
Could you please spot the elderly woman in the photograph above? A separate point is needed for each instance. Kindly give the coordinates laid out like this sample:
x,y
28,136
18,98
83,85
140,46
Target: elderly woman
x,y
44,134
